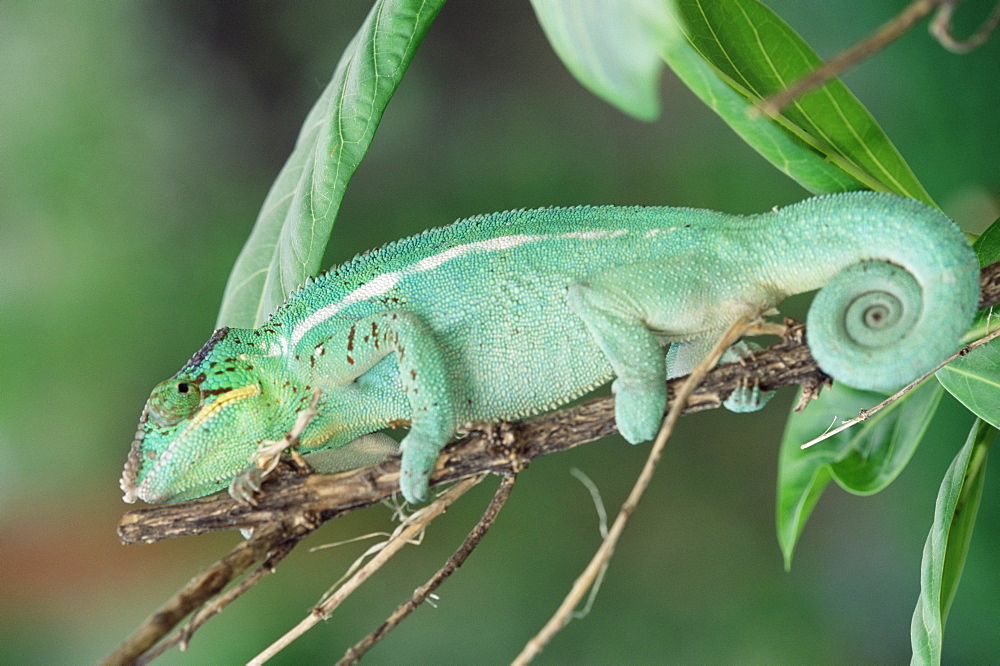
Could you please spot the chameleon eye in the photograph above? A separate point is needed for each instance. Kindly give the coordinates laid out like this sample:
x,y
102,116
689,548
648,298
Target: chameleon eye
x,y
174,400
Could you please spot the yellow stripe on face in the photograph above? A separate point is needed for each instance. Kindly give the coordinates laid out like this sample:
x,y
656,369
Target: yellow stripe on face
x,y
209,411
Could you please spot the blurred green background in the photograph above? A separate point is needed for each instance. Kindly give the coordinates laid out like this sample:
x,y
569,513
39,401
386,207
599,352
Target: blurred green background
x,y
137,141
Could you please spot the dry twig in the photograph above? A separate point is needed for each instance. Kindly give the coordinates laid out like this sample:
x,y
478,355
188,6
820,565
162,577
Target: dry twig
x,y
869,46
207,584
604,553
408,530
941,29
209,610
356,651
867,413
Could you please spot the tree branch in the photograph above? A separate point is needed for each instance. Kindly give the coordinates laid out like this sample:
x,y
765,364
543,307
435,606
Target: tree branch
x,y
274,537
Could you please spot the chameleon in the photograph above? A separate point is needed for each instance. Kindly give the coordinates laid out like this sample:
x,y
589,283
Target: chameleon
x,y
509,314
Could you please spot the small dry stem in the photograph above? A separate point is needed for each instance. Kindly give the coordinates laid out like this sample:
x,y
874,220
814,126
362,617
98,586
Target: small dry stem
x,y
888,33
355,652
414,525
865,414
600,560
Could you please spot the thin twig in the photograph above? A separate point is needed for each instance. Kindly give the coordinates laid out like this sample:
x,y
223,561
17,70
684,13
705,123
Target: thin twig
x,y
604,553
355,652
602,528
864,414
895,28
183,635
941,29
204,586
414,524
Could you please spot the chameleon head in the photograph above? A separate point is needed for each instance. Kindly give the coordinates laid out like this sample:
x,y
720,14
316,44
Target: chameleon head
x,y
200,427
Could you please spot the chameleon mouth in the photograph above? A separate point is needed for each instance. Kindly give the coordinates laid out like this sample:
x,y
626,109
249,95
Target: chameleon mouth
x,y
134,462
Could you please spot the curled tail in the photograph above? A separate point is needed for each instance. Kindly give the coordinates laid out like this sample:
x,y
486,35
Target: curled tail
x,y
890,317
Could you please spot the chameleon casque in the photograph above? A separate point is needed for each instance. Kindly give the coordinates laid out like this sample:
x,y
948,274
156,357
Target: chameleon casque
x,y
506,315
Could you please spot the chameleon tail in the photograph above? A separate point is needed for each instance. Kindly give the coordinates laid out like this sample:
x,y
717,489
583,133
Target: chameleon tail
x,y
876,326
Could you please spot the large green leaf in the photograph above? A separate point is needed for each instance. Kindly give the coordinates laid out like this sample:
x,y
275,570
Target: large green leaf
x,y
975,378
863,459
948,543
612,48
291,232
755,53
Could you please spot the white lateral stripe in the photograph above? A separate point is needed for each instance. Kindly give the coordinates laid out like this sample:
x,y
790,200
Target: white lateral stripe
x,y
652,233
489,245
371,289
385,282
585,235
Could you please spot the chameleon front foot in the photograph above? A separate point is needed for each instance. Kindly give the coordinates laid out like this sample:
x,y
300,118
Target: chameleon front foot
x,y
246,485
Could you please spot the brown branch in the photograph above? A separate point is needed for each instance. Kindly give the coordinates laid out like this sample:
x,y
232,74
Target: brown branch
x,y
207,612
989,286
294,505
356,651
408,531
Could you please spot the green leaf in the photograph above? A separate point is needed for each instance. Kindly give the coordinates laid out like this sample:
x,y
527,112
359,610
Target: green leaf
x,y
987,246
731,53
948,543
863,459
975,378
753,53
612,48
294,224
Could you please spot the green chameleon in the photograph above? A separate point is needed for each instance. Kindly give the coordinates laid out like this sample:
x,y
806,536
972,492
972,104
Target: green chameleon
x,y
506,315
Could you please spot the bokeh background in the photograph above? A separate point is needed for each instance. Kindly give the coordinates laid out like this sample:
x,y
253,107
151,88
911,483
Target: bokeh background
x,y
137,141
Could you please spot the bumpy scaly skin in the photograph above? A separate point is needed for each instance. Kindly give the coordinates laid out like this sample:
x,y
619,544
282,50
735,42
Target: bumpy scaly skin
x,y
510,314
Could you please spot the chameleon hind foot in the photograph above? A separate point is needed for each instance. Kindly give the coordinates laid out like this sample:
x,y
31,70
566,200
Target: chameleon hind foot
x,y
746,397
638,413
